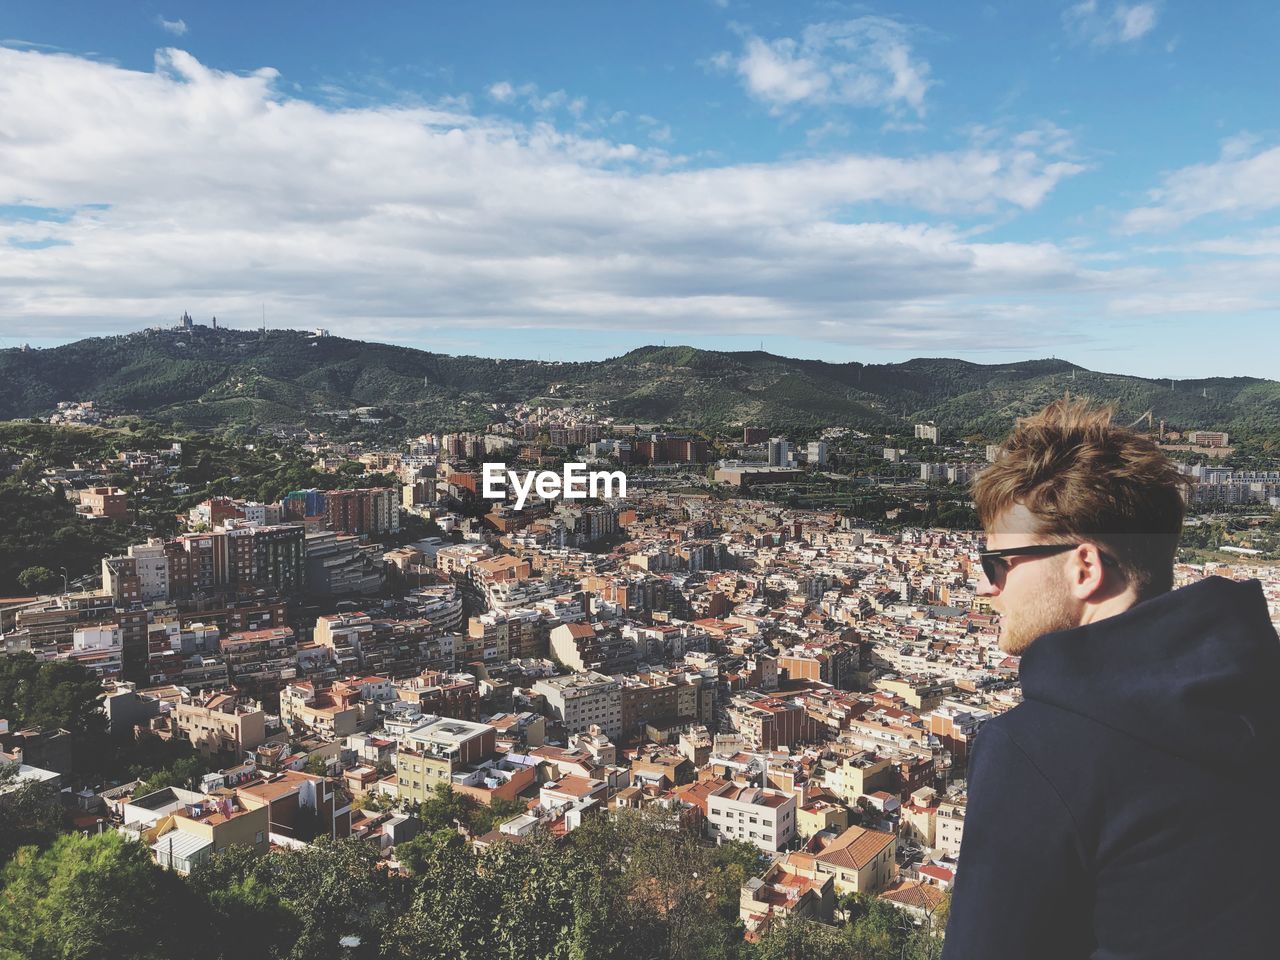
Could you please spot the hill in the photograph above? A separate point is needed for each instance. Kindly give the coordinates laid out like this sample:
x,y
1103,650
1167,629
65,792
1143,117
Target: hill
x,y
213,378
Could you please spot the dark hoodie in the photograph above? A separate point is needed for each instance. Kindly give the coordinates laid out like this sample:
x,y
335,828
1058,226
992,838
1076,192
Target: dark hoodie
x,y
1127,808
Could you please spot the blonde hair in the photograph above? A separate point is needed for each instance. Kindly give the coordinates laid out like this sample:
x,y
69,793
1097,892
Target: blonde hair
x,y
1084,478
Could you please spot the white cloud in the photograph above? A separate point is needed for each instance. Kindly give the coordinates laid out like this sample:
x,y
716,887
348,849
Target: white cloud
x,y
177,27
866,62
1107,25
399,222
1243,182
503,92
528,94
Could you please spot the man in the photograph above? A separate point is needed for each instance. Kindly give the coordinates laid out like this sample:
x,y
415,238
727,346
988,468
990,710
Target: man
x,y
1124,809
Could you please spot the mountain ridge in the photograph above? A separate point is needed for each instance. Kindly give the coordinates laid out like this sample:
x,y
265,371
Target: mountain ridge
x,y
206,377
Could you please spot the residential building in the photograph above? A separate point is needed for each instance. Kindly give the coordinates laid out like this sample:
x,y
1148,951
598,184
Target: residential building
x,y
860,860
104,503
583,699
190,836
784,892
434,751
950,826
266,657
761,817
220,724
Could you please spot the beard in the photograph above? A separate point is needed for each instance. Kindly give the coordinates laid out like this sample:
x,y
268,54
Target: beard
x,y
1051,610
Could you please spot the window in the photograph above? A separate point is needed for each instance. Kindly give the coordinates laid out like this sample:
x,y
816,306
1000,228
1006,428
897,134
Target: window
x,y
259,837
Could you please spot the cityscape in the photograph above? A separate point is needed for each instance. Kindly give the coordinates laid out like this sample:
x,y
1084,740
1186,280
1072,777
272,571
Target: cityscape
x,y
692,480
398,659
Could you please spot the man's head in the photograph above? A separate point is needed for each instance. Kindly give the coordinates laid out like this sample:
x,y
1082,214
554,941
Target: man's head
x,y
1105,495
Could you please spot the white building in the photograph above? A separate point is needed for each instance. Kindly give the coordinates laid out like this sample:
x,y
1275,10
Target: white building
x,y
949,822
764,818
583,699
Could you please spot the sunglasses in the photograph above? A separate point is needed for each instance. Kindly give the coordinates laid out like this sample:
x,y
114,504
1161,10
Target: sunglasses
x,y
995,566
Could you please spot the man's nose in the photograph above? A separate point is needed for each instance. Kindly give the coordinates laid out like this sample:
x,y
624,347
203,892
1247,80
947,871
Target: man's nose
x,y
985,587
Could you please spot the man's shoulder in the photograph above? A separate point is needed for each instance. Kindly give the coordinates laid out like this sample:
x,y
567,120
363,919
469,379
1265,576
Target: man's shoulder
x,y
1039,727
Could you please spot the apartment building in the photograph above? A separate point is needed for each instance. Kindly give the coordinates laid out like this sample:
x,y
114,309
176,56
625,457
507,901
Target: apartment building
x,y
453,695
583,699
289,796
197,831
267,657
104,503
332,713
433,752
949,819
220,724
764,818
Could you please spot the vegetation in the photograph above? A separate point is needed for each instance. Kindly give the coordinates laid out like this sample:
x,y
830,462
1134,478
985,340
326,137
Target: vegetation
x,y
214,378
30,813
63,695
58,694
85,898
43,537
632,885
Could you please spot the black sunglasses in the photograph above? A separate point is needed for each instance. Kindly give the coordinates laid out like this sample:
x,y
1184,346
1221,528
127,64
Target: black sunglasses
x,y
993,564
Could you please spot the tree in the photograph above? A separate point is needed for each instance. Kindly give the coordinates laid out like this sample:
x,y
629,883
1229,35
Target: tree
x,y
486,818
426,848
451,913
56,695
236,899
334,889
38,579
30,812
446,809
799,939
90,897
182,773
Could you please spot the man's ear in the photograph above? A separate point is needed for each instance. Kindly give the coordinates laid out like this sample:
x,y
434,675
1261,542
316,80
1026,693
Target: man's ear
x,y
1085,572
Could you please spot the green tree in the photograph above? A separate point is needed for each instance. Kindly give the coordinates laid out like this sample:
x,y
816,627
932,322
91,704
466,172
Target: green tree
x,y
86,898
446,809
30,812
236,899
38,579
426,848
485,818
450,915
182,773
334,889
59,694
799,939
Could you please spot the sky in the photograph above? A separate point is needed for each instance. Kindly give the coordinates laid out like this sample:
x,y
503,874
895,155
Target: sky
x,y
1096,181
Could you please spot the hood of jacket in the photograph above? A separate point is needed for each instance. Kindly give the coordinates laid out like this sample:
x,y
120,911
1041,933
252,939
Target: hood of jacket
x,y
1194,672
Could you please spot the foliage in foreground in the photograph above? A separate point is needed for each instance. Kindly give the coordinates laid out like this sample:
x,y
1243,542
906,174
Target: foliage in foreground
x,y
631,885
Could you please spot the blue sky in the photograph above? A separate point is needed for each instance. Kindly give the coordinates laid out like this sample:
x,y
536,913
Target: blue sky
x,y
1094,180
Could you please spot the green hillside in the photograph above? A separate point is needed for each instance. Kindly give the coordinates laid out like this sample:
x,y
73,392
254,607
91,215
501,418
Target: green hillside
x,y
211,378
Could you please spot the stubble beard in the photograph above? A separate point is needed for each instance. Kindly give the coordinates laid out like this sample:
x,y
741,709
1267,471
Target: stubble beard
x,y
1050,611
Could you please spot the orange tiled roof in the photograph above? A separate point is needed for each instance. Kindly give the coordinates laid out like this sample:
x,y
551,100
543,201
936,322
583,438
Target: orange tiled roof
x,y
855,848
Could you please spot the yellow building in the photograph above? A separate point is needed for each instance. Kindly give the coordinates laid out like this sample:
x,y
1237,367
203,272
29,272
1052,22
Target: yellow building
x,y
821,815
182,841
860,775
920,694
860,860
